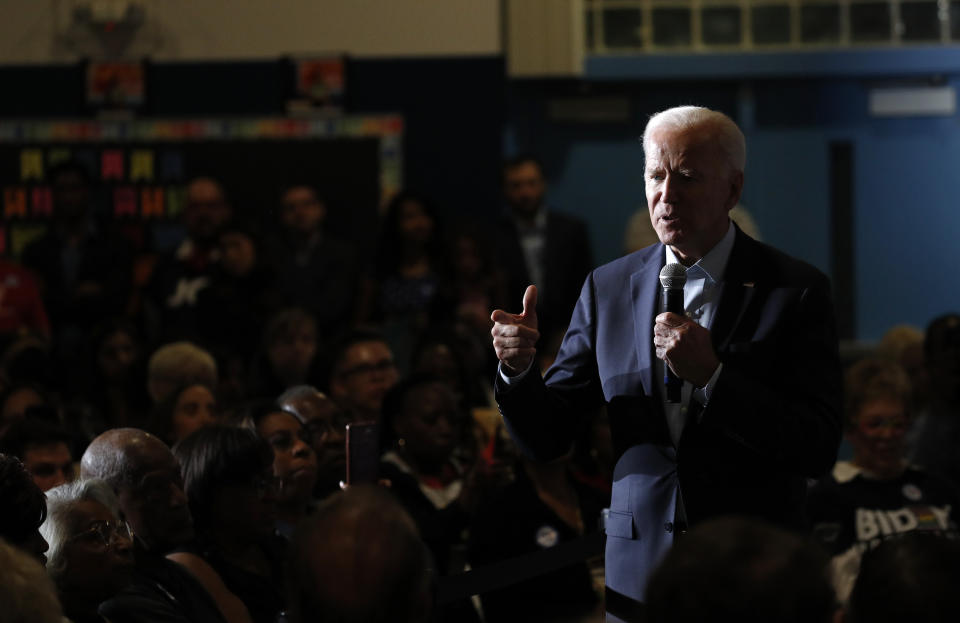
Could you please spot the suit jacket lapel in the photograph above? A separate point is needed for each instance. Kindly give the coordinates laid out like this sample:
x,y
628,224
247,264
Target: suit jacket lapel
x,y
737,291
644,289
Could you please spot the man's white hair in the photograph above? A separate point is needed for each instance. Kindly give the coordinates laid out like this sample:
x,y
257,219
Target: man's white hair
x,y
714,124
26,592
58,528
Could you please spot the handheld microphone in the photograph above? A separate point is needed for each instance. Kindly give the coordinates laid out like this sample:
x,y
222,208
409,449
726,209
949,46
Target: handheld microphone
x,y
672,277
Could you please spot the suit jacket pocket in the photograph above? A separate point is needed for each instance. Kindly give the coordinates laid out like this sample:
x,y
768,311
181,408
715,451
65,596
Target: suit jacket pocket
x,y
620,524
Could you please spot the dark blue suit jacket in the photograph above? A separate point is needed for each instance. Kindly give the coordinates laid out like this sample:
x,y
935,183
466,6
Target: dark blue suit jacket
x,y
772,421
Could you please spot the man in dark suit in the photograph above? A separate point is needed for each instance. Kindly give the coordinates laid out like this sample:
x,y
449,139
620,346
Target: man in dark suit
x,y
756,349
540,246
314,270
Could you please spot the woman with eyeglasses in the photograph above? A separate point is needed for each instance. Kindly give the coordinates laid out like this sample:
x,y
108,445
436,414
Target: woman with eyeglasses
x,y
91,550
232,494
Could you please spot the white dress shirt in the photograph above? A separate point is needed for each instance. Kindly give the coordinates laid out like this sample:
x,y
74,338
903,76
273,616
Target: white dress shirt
x,y
701,295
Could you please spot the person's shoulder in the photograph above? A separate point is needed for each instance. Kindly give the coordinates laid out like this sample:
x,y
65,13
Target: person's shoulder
x,y
776,264
624,266
931,484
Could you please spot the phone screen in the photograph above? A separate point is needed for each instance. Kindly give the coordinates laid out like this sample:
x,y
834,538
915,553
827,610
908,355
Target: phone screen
x,y
363,452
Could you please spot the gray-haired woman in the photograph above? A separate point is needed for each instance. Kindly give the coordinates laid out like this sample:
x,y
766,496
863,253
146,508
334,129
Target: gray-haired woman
x,y
90,557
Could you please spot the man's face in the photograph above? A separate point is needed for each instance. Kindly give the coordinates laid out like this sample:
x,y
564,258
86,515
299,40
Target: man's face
x,y
690,190
524,188
364,377
50,464
301,211
154,503
206,210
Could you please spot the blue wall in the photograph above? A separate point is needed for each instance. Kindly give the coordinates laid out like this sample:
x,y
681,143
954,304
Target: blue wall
x,y
906,171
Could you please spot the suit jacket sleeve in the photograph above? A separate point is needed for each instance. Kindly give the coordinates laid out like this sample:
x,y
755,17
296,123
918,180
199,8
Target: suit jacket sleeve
x,y
543,420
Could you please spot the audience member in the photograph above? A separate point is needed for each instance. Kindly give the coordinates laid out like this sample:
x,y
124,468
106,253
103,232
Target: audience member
x,y
178,277
15,400
877,495
407,273
24,508
145,477
441,354
289,355
904,345
314,271
937,434
363,372
913,578
29,360
21,307
542,507
359,559
294,462
110,390
323,422
177,364
737,569
26,592
83,269
44,448
474,286
239,298
91,547
232,496
421,421
185,410
541,246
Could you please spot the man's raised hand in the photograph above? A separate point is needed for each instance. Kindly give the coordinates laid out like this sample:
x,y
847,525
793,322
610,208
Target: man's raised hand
x,y
515,335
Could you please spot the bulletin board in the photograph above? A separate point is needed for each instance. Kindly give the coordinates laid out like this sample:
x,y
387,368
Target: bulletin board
x,y
140,168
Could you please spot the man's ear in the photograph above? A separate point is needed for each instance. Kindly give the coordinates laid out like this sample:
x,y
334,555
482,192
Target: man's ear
x,y
736,189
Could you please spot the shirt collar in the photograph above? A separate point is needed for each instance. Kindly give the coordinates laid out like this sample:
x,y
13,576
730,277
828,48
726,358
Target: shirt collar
x,y
845,471
714,263
539,220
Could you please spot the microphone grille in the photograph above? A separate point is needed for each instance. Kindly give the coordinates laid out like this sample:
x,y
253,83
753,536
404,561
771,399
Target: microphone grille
x,y
673,275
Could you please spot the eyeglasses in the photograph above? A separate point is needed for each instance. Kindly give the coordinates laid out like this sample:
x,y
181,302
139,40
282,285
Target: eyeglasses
x,y
105,532
319,429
